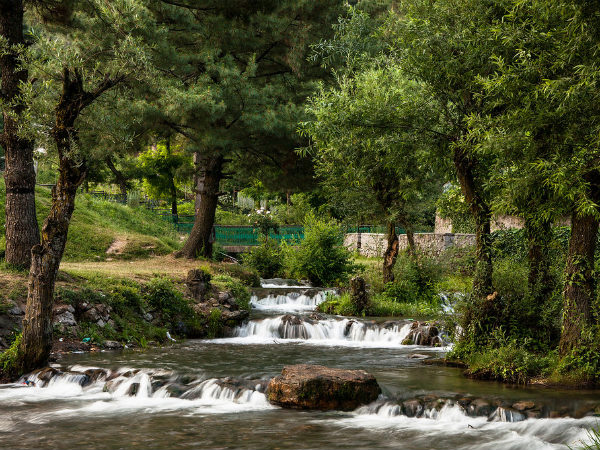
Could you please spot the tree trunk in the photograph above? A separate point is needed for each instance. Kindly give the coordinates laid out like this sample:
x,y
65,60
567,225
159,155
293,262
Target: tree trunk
x,y
46,256
209,172
465,167
174,201
391,253
22,231
36,342
539,280
580,283
119,177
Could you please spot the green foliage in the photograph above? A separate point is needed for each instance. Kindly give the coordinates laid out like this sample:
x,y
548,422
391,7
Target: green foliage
x,y
162,167
10,364
451,205
162,295
266,259
215,324
247,276
592,442
582,364
265,224
510,363
237,288
321,256
380,306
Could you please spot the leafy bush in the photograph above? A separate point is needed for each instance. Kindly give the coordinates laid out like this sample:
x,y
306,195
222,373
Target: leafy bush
x,y
162,295
215,325
321,256
10,358
510,363
240,292
247,275
266,259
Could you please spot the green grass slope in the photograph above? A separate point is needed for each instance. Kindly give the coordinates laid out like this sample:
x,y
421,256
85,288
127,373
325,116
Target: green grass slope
x,y
98,224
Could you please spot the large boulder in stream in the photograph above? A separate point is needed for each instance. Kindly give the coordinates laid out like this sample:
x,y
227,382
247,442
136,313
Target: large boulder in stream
x,y
305,386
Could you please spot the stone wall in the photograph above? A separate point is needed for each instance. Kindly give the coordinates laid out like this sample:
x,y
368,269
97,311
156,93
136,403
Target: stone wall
x,y
374,244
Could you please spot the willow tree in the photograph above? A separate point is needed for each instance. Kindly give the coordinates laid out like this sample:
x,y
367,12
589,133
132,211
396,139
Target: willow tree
x,y
235,88
77,63
448,46
548,92
377,129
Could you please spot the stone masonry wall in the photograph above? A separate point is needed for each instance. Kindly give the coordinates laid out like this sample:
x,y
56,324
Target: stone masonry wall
x,y
373,244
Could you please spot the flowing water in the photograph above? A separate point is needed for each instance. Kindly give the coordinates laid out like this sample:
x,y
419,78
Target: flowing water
x,y
210,394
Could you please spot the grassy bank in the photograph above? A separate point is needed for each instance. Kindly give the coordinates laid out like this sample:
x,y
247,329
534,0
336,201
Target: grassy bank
x,y
103,230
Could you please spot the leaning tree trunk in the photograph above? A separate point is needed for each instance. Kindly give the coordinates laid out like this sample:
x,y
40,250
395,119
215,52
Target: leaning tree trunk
x,y
580,283
391,253
465,166
538,234
119,177
209,172
46,256
22,231
36,341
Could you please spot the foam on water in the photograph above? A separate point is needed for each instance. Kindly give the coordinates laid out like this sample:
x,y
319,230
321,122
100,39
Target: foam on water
x,y
452,423
327,332
291,302
127,391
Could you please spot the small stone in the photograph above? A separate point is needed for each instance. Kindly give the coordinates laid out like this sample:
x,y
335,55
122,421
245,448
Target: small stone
x,y
113,345
16,311
523,406
418,356
66,318
101,323
148,317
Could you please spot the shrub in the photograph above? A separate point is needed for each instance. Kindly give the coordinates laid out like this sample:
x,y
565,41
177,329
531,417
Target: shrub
x,y
266,259
162,295
321,256
10,364
247,275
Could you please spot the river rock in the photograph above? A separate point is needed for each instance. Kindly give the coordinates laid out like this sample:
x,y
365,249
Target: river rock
x,y
66,318
198,284
424,333
112,345
305,386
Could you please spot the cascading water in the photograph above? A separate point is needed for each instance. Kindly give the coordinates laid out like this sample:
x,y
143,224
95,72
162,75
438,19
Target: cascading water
x,y
321,332
288,302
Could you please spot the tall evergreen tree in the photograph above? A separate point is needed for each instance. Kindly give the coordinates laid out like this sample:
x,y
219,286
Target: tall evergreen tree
x,y
235,86
22,231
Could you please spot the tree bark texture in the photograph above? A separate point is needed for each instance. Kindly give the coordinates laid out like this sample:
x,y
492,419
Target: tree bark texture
x,y
22,231
465,169
391,253
36,342
209,171
579,281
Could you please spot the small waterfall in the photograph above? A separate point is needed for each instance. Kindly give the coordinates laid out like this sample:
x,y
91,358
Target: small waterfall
x,y
140,388
293,301
447,411
323,331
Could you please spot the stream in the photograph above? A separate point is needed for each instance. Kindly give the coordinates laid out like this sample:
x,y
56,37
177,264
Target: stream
x,y
210,393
